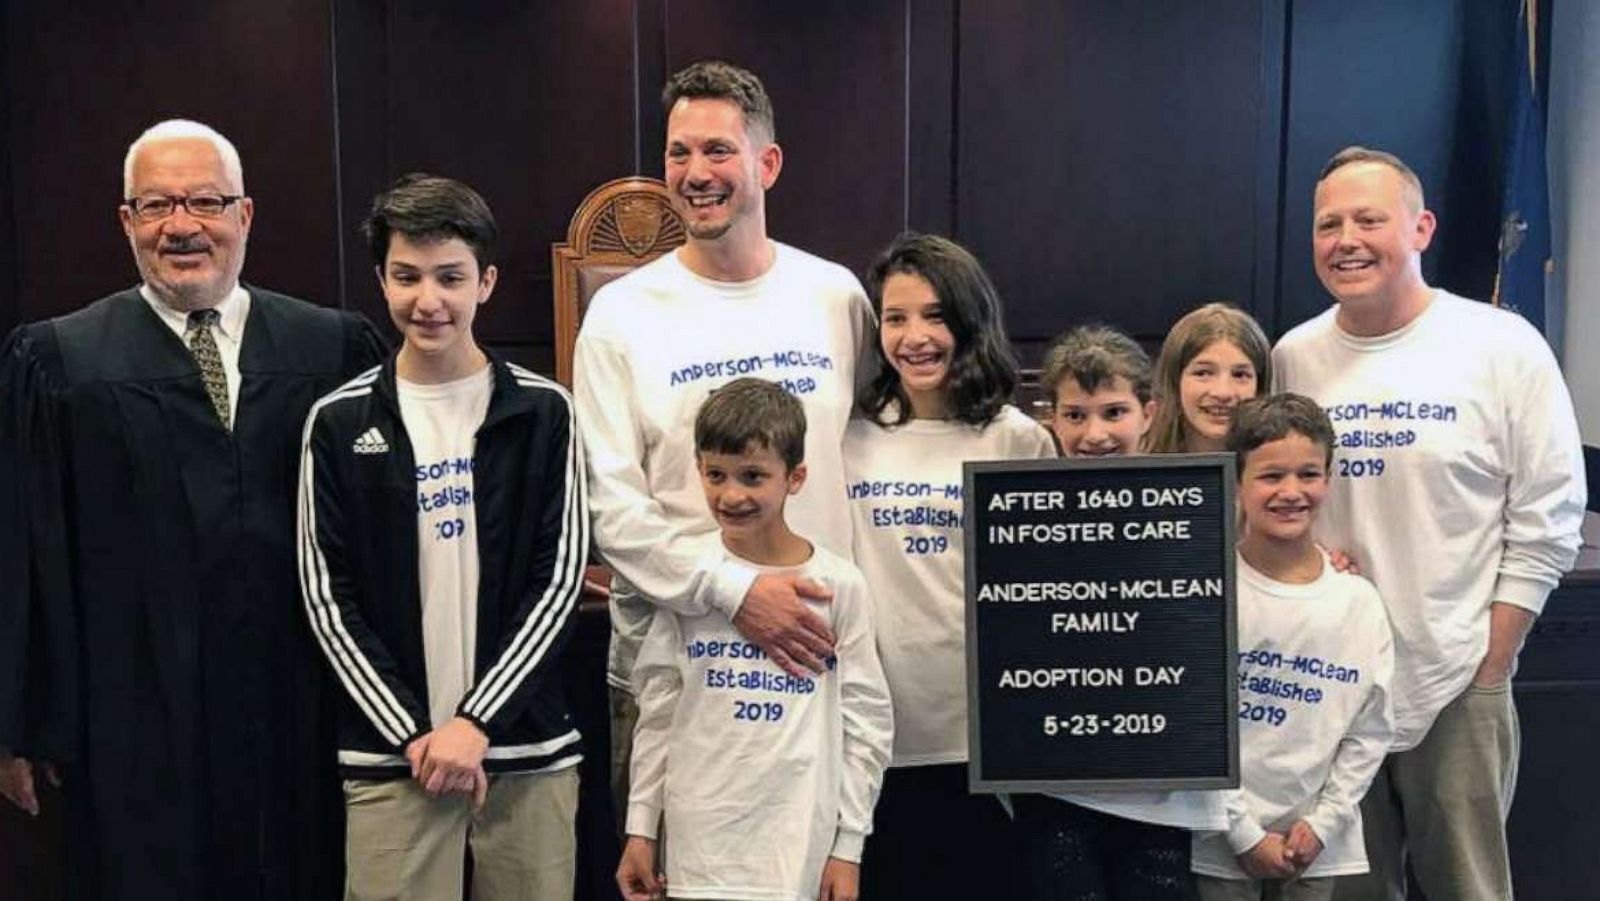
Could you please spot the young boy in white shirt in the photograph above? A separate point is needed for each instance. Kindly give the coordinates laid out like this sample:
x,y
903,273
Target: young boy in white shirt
x,y
766,781
1315,660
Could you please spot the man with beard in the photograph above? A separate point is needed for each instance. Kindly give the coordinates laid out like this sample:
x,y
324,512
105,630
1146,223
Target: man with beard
x,y
154,652
731,302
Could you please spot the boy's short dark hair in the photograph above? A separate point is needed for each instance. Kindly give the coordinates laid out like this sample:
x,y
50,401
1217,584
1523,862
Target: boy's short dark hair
x,y
1095,355
1272,418
429,208
718,80
751,411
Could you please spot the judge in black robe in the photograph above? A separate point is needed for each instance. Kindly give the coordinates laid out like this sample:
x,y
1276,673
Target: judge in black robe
x,y
151,642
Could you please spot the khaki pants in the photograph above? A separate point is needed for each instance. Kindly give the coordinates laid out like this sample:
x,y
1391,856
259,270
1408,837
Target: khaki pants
x,y
1214,889
1442,807
402,845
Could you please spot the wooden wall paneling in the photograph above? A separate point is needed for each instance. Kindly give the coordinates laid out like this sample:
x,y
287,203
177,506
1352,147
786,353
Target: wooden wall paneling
x,y
1423,80
75,173
836,73
531,104
30,866
1339,65
650,73
9,212
360,69
1108,157
931,51
87,78
1271,144
1467,256
273,77
1552,825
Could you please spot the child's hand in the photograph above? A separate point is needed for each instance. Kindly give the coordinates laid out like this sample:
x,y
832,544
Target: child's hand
x,y
1303,845
453,758
416,751
1269,859
636,874
479,789
841,881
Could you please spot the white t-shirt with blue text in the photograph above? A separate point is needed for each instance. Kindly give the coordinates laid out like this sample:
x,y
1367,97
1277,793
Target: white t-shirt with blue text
x,y
442,422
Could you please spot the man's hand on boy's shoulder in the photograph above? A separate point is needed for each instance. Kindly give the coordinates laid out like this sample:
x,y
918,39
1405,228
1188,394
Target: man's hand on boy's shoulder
x,y
841,881
774,616
636,872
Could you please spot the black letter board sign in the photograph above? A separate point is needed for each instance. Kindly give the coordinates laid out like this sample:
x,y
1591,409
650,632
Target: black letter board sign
x,y
1101,641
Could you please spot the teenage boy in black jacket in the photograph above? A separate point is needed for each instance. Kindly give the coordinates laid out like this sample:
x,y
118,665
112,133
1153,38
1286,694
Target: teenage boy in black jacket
x,y
443,528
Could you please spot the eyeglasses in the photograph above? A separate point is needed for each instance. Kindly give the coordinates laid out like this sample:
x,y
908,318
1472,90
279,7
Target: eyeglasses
x,y
157,207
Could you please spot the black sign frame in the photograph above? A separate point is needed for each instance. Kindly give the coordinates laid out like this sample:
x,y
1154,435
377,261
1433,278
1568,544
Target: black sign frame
x,y
980,483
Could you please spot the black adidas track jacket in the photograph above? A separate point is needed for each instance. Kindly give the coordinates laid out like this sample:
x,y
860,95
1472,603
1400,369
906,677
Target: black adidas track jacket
x,y
359,578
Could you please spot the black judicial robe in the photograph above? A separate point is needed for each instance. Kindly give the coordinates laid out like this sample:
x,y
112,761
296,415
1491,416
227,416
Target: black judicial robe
x,y
151,632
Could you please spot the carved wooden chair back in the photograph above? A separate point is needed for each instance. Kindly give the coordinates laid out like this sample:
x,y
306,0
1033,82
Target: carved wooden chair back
x,y
619,227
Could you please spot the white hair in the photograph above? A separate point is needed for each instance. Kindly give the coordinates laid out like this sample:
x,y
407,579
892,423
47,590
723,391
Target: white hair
x,y
181,129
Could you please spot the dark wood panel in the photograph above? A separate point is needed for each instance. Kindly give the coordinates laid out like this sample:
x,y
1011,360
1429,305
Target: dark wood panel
x,y
360,62
650,67
931,55
1553,819
531,104
1430,85
85,78
1271,144
1551,832
1108,154
837,75
8,211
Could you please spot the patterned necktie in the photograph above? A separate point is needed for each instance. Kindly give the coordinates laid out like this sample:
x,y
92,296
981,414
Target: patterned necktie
x,y
203,344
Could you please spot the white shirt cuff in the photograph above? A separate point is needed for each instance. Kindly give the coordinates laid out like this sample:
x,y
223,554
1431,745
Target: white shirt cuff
x,y
1245,834
729,584
1521,592
847,845
643,820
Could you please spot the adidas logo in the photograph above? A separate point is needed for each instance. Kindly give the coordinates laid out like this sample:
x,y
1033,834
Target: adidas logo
x,y
371,442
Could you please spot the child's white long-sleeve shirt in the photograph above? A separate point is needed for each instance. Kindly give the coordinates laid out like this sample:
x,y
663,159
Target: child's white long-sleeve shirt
x,y
760,776
905,485
1315,663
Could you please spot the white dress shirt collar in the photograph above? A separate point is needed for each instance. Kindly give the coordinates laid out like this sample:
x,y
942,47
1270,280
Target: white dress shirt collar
x,y
232,312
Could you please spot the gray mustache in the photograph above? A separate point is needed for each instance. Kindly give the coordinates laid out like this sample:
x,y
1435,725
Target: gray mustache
x,y
185,246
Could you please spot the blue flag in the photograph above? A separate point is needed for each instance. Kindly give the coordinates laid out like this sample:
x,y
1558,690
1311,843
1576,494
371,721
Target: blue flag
x,y
1525,208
